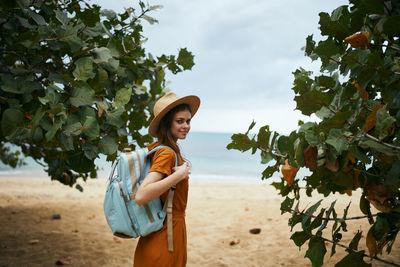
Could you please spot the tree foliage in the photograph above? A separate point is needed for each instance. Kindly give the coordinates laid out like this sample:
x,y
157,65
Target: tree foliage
x,y
356,143
74,81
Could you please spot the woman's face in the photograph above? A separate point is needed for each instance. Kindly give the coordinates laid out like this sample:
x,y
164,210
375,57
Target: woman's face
x,y
180,125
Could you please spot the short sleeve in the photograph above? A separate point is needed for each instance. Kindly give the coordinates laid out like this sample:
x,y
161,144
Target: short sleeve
x,y
163,161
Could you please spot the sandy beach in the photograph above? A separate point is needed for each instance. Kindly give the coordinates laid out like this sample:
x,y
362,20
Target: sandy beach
x,y
219,217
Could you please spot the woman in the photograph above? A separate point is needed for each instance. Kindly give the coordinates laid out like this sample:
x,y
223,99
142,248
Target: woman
x,y
172,116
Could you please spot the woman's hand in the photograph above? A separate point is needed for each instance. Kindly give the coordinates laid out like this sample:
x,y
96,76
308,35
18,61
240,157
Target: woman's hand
x,y
183,171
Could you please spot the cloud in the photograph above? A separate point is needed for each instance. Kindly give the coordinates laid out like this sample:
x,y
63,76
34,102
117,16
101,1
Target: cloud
x,y
245,53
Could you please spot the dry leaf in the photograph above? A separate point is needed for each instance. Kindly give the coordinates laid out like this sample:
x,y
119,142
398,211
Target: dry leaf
x,y
358,40
310,156
334,167
100,109
377,192
351,157
234,242
255,231
374,247
371,243
289,172
371,119
33,241
361,90
66,261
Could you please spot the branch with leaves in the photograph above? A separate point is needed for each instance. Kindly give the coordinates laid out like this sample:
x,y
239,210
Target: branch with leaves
x,y
355,143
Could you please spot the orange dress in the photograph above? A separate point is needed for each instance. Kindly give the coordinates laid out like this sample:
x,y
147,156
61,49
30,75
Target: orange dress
x,y
152,250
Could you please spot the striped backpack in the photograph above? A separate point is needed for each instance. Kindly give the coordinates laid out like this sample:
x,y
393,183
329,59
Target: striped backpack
x,y
125,218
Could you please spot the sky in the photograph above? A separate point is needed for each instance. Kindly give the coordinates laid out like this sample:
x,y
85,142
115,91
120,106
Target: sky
x,y
245,52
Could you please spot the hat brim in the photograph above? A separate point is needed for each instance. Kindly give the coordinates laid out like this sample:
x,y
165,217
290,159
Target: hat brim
x,y
192,100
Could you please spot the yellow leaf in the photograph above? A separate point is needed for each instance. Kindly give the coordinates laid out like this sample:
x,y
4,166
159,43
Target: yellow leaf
x,y
358,40
289,172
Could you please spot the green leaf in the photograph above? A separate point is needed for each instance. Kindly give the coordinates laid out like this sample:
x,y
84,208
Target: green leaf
x,y
102,55
392,25
379,147
100,80
12,123
383,122
312,101
82,95
62,17
91,128
53,130
149,19
114,117
185,59
107,145
91,151
263,137
37,18
300,237
67,142
310,45
73,129
286,205
326,49
109,14
78,162
84,69
302,82
338,140
284,144
364,205
393,175
360,154
310,211
354,242
239,142
353,259
90,16
122,97
269,171
316,251
266,157
250,127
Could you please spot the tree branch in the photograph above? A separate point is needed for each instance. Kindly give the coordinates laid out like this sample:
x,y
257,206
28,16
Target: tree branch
x,y
380,142
328,218
365,255
272,152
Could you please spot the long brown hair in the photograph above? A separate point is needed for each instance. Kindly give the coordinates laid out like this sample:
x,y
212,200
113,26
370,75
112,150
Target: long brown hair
x,y
164,134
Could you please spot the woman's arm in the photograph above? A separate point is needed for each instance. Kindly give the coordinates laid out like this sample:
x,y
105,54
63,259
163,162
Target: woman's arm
x,y
154,185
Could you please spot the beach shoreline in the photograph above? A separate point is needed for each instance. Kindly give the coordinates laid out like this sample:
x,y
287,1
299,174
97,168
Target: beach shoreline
x,y
219,217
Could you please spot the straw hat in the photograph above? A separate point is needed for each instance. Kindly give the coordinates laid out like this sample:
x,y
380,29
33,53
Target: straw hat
x,y
168,102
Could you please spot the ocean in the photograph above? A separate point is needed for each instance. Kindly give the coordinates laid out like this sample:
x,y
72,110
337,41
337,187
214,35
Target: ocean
x,y
207,152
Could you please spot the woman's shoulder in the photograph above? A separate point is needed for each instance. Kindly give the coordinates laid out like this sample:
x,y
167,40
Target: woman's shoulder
x,y
164,152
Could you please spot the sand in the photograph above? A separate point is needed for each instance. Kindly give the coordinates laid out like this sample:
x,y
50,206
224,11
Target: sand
x,y
219,217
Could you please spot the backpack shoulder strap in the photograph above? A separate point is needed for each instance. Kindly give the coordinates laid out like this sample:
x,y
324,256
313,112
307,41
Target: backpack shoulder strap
x,y
168,203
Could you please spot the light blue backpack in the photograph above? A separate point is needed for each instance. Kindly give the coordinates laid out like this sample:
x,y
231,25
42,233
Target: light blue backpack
x,y
125,218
